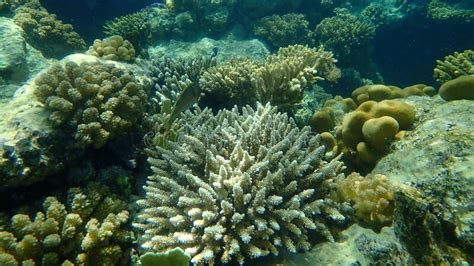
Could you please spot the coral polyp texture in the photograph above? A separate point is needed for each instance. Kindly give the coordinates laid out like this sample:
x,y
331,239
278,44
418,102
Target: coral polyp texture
x,y
94,100
237,186
455,65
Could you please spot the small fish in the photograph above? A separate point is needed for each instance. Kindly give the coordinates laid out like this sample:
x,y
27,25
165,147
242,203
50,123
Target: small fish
x,y
187,98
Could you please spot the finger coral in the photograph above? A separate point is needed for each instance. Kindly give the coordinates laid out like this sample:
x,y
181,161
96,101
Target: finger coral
x,y
453,66
90,230
238,186
113,48
285,76
46,33
93,100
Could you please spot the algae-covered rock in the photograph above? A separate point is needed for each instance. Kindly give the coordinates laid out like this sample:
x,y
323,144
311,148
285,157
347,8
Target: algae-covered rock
x,y
436,158
18,60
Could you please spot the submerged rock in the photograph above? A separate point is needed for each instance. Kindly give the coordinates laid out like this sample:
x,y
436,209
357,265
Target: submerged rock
x,y
223,49
437,159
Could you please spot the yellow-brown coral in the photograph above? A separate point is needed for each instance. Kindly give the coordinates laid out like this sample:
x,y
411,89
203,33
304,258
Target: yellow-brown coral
x,y
113,48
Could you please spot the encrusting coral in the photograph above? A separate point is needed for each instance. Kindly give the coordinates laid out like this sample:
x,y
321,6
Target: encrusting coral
x,y
372,197
453,66
281,31
94,100
45,32
238,186
285,75
113,48
91,230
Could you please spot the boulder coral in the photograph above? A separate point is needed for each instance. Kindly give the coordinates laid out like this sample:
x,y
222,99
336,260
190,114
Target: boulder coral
x,y
237,186
458,89
373,125
94,101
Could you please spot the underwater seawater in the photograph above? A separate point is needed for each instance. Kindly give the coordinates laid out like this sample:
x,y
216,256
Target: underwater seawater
x,y
236,132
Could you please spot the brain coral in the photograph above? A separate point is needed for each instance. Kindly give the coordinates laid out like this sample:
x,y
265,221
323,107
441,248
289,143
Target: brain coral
x,y
94,100
238,186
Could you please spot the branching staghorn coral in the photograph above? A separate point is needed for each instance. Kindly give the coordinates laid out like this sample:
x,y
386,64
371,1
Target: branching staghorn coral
x,y
230,83
131,27
237,186
281,31
46,33
344,33
91,230
453,66
95,101
285,76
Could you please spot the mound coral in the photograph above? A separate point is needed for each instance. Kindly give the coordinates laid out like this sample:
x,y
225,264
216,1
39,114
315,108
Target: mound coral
x,y
92,230
458,89
238,186
113,48
379,92
46,33
285,75
373,125
230,82
93,100
453,66
281,31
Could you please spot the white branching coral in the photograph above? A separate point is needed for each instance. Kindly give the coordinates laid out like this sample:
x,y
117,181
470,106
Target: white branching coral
x,y
236,186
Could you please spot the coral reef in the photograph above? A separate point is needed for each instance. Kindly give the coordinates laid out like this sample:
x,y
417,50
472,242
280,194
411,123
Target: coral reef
x,y
281,31
94,101
113,48
46,33
458,89
372,197
285,75
453,66
91,230
238,186
130,27
230,83
379,92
